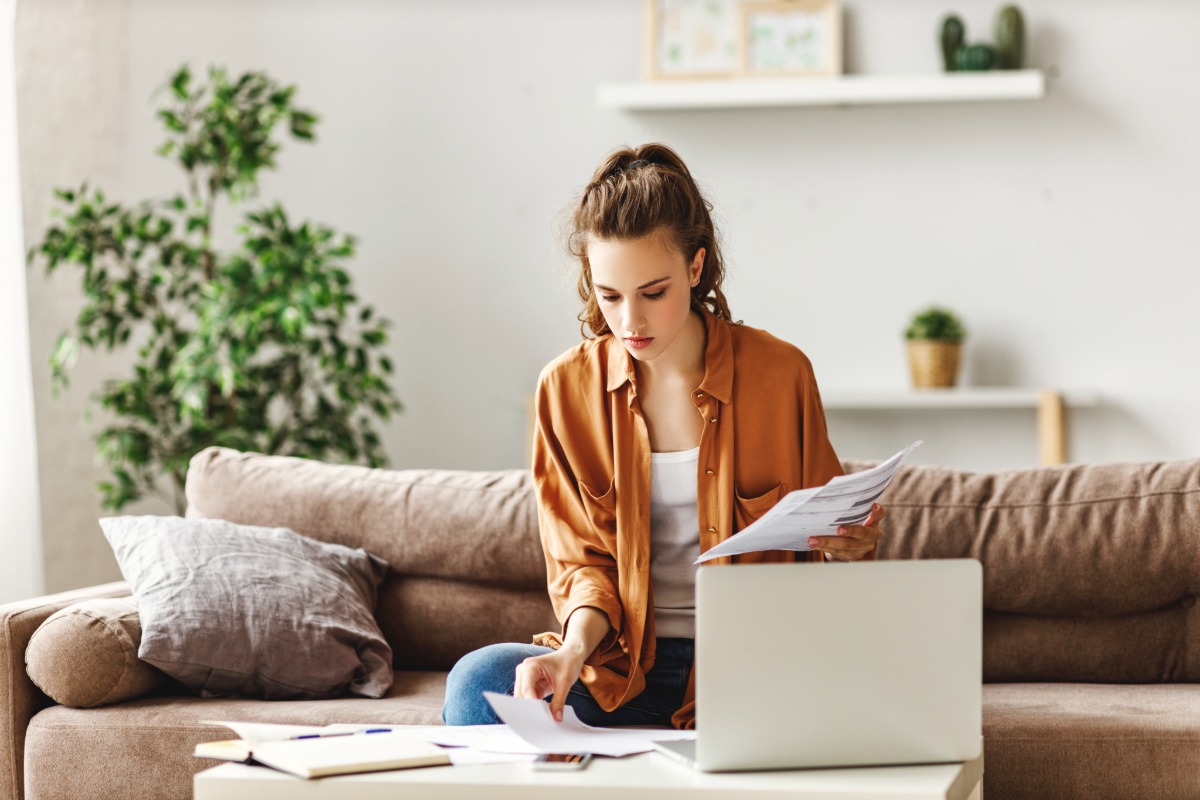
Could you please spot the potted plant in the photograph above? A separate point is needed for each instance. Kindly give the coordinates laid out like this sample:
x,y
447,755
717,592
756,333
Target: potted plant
x,y
935,338
264,348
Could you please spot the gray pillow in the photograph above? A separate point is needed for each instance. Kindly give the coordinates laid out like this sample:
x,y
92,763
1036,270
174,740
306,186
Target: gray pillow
x,y
254,612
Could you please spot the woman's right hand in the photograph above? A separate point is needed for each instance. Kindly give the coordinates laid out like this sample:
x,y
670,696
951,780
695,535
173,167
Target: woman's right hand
x,y
551,674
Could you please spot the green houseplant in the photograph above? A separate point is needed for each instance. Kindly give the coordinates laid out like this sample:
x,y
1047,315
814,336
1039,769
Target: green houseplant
x,y
935,337
264,348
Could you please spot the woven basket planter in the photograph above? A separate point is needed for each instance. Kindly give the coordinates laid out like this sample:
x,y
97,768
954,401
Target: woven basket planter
x,y
934,364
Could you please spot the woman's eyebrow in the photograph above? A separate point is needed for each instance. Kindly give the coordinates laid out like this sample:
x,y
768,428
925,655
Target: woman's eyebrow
x,y
643,286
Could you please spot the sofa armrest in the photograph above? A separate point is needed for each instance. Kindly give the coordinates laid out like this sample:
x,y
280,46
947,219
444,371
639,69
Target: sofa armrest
x,y
20,699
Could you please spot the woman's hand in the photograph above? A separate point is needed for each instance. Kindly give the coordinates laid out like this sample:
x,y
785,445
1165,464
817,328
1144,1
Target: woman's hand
x,y
550,674
854,542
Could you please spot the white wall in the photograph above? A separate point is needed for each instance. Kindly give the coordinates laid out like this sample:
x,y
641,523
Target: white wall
x,y
456,133
72,101
20,567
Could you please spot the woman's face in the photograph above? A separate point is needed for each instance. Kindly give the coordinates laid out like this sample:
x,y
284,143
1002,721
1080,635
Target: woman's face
x,y
644,288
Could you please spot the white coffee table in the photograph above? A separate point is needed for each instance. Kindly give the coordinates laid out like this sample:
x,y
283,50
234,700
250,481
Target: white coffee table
x,y
648,775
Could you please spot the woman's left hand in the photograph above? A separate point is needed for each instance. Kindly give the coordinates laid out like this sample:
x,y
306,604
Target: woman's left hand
x,y
853,542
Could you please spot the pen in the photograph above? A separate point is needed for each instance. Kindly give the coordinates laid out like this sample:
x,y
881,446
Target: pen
x,y
347,733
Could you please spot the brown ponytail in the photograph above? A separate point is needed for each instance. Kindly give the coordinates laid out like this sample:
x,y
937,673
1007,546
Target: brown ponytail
x,y
637,192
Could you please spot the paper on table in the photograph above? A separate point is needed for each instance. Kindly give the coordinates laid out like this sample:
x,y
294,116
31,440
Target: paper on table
x,y
845,500
531,720
484,738
265,731
254,733
272,732
469,757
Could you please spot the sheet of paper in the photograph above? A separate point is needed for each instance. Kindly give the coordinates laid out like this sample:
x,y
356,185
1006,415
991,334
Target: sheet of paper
x,y
466,756
272,732
265,731
845,500
531,720
481,738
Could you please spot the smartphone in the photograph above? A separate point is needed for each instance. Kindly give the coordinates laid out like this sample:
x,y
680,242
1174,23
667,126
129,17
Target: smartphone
x,y
558,762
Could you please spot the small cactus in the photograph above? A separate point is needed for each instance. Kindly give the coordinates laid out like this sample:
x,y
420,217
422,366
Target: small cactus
x,y
975,58
1010,38
953,34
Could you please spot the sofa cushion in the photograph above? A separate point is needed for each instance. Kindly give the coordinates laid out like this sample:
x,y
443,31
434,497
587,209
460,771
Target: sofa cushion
x,y
434,622
142,750
467,568
1105,742
436,523
85,655
1091,572
257,612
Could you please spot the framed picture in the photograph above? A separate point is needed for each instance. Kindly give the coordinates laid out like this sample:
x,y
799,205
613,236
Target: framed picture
x,y
790,37
691,38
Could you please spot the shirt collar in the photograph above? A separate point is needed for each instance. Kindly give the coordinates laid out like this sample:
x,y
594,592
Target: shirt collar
x,y
718,360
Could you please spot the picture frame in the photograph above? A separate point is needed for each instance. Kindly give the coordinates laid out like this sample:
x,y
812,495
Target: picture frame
x,y
790,38
691,39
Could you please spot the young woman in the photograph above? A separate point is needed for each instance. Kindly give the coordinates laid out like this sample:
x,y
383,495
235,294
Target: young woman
x,y
668,432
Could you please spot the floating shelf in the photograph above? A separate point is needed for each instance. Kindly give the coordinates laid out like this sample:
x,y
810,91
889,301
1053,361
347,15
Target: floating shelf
x,y
1050,405
981,397
846,90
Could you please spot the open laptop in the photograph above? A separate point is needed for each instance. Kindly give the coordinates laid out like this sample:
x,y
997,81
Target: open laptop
x,y
829,665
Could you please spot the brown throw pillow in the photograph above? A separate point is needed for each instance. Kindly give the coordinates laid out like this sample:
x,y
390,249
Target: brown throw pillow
x,y
85,655
253,612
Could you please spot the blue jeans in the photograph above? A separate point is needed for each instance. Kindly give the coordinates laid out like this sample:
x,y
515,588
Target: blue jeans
x,y
493,669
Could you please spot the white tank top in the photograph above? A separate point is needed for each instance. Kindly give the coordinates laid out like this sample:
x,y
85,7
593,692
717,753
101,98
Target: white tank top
x,y
674,541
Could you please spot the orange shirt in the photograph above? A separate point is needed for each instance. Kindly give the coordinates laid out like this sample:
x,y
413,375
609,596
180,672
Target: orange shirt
x,y
764,436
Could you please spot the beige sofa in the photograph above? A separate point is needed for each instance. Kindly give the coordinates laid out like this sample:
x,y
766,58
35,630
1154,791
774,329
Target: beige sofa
x,y
1091,644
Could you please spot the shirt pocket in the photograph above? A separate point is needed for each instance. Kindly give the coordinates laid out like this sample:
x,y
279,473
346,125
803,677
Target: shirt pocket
x,y
748,509
601,506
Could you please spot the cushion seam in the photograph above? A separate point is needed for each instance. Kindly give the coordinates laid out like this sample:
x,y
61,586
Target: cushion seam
x,y
1046,504
92,726
11,761
211,669
125,655
1183,738
379,479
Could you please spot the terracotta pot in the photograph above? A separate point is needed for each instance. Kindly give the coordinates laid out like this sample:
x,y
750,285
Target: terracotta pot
x,y
933,363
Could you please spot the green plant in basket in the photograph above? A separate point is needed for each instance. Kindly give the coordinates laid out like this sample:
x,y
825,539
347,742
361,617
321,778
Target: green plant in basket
x,y
934,348
937,324
264,348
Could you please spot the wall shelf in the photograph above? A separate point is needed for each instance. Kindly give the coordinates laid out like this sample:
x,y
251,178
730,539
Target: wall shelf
x,y
845,90
1050,404
981,397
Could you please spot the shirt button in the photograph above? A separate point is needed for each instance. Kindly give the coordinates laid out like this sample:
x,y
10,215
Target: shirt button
x,y
699,394
712,530
710,472
712,419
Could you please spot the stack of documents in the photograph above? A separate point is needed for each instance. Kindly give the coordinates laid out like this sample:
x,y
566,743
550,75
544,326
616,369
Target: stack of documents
x,y
531,720
820,511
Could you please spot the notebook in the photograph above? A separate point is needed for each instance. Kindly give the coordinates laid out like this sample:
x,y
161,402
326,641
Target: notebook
x,y
340,755
831,665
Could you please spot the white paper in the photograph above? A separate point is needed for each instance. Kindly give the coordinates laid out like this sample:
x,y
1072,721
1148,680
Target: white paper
x,y
482,738
819,511
272,732
265,731
469,757
531,720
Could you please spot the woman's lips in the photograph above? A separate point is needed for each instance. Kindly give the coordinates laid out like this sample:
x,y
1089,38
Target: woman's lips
x,y
638,344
